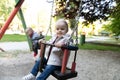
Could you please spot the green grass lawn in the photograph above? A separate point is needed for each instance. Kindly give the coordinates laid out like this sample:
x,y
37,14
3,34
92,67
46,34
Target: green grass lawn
x,y
16,38
13,38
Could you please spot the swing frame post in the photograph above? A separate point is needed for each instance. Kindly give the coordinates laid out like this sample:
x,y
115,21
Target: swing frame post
x,y
74,62
42,53
65,60
24,26
9,20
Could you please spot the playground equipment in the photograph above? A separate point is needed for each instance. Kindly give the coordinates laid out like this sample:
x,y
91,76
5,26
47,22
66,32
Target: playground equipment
x,y
10,18
12,15
49,28
64,73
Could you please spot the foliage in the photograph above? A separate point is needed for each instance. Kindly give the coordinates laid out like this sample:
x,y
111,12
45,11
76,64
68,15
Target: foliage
x,y
114,25
90,10
66,9
5,8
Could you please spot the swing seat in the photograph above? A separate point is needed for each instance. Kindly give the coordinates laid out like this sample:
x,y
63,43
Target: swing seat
x,y
67,75
64,73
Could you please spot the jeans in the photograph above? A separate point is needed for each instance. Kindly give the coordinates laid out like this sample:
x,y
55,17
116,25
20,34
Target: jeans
x,y
46,72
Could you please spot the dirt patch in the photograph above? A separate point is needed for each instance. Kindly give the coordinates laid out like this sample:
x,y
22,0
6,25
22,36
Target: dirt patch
x,y
91,65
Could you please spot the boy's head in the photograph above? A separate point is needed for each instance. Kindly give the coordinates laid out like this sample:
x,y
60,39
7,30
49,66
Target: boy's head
x,y
29,31
61,27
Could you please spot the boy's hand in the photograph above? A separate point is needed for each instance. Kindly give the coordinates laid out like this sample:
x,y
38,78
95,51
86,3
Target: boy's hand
x,y
59,45
41,41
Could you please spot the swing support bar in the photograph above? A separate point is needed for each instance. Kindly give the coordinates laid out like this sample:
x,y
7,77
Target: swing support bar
x,y
24,26
9,20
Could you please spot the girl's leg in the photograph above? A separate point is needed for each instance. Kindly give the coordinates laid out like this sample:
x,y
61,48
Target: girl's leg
x,y
32,75
35,68
47,71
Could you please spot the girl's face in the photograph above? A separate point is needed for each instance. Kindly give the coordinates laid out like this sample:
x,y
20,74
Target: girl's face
x,y
61,29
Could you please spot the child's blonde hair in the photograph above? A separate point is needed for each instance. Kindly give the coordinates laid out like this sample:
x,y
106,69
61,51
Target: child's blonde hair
x,y
62,20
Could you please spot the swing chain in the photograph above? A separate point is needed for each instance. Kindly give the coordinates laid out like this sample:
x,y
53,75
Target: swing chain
x,y
50,23
77,21
76,41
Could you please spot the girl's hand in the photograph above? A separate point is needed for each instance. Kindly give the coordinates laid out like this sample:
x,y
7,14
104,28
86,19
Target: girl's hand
x,y
59,45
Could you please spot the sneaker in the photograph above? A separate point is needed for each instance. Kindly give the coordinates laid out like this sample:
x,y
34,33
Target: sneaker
x,y
29,77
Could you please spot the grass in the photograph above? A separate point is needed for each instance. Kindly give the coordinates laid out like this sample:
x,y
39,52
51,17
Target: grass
x,y
16,38
88,46
47,37
13,38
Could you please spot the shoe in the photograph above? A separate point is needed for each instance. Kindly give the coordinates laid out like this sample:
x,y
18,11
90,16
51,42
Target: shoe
x,y
29,77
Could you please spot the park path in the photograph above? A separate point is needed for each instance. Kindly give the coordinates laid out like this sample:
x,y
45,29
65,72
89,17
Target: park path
x,y
11,46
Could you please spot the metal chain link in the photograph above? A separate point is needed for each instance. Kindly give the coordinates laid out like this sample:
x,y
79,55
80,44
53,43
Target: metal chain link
x,y
76,25
50,23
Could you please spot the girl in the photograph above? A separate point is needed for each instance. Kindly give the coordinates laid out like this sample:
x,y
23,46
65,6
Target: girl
x,y
55,59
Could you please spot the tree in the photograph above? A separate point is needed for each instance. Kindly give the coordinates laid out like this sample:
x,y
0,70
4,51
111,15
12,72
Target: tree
x,y
114,25
5,8
90,10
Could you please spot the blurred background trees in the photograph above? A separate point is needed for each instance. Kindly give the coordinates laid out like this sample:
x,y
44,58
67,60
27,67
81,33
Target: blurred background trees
x,y
114,22
5,8
91,11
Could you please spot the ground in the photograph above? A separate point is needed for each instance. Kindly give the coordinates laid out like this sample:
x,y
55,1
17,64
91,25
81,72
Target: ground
x,y
91,65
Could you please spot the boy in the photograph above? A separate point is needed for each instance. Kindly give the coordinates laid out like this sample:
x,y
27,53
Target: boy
x,y
34,36
55,59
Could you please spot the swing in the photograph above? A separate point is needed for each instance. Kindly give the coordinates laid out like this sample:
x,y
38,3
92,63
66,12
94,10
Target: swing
x,y
65,72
